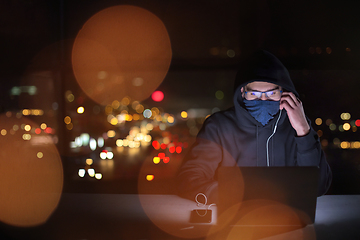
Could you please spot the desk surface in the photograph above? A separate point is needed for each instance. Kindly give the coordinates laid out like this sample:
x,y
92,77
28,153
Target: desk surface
x,y
117,216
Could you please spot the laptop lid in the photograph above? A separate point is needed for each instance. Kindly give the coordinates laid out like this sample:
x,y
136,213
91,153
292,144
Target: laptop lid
x,y
267,195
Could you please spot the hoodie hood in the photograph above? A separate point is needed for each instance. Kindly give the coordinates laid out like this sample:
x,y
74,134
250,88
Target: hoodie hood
x,y
264,66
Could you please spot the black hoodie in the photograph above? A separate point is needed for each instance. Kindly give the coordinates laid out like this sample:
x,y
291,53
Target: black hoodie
x,y
233,137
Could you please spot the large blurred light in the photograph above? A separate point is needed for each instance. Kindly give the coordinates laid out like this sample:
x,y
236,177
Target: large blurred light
x,y
121,51
31,174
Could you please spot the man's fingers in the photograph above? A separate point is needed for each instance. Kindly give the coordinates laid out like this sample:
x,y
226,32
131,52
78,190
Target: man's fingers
x,y
291,99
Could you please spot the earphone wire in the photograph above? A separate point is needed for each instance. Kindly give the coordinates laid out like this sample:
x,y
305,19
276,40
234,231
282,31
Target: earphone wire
x,y
199,204
267,142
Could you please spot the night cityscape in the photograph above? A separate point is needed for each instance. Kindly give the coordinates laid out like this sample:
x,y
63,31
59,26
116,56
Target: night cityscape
x,y
79,117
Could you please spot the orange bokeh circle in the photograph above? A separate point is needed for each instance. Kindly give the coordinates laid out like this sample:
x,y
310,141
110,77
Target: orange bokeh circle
x,y
121,51
31,173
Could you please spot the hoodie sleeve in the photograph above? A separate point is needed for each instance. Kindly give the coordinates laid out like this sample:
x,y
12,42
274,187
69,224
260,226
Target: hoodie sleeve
x,y
196,175
309,153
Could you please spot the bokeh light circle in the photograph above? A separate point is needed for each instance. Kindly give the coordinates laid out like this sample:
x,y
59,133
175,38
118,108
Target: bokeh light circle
x,y
121,51
31,174
157,96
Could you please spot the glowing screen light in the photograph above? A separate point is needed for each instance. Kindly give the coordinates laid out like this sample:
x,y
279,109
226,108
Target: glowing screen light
x,y
121,51
157,96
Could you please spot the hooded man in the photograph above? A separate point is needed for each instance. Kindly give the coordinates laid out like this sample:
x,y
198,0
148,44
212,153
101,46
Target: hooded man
x,y
266,127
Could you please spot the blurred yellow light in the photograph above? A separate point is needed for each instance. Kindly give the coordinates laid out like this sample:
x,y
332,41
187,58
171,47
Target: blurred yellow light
x,y
26,112
43,126
3,132
125,142
355,144
135,104
147,138
27,127
318,121
128,117
136,117
115,104
149,127
346,126
36,112
15,127
139,108
40,155
155,111
26,136
124,112
320,133
345,116
345,145
98,176
69,126
111,133
158,118
119,142
149,177
156,160
80,110
114,121
170,119
184,114
67,120
125,101
70,97
89,161
108,110
166,140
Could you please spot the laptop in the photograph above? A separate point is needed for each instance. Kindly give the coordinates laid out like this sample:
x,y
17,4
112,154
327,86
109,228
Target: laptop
x,y
267,196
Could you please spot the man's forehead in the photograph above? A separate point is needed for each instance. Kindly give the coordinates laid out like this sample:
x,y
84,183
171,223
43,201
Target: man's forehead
x,y
263,86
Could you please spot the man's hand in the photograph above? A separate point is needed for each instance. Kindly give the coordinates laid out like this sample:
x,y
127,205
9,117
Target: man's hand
x,y
295,111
